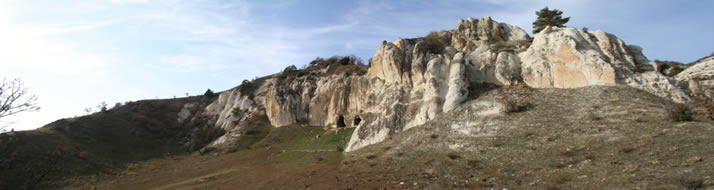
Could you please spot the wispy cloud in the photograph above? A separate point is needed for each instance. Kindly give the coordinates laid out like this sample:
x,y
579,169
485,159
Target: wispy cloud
x,y
32,49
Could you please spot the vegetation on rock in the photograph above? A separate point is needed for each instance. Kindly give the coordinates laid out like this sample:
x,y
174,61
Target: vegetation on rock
x,y
547,17
209,93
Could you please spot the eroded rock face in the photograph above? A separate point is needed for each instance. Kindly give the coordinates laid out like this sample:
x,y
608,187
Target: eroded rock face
x,y
411,81
698,79
417,79
572,58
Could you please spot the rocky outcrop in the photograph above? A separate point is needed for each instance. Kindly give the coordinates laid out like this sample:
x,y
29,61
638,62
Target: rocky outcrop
x,y
572,58
698,78
411,81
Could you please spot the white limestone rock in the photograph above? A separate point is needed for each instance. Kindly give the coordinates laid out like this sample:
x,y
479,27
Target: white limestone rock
x,y
412,81
573,58
698,79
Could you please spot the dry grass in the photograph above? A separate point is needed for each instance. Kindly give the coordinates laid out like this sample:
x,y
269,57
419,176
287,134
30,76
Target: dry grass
x,y
473,163
514,98
703,107
627,150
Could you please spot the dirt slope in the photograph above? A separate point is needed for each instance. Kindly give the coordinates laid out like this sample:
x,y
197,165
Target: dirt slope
x,y
586,138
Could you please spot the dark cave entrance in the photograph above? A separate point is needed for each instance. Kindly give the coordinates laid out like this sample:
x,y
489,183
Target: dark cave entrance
x,y
341,121
357,121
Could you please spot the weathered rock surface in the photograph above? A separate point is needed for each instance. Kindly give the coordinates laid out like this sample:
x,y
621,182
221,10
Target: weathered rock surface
x,y
411,81
572,58
698,79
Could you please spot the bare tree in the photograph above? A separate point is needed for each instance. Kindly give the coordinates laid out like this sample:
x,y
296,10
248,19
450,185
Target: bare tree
x,y
102,106
14,98
88,110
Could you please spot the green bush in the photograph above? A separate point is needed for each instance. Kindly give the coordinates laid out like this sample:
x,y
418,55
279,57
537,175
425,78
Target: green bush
x,y
247,88
209,93
290,69
337,65
547,17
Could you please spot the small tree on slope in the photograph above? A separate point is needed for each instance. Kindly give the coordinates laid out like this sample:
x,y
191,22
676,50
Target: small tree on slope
x,y
547,17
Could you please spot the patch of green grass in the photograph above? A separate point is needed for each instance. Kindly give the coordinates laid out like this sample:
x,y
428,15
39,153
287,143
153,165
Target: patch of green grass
x,y
299,144
255,131
325,142
306,138
288,134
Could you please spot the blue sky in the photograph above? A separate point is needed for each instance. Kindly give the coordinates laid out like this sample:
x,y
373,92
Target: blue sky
x,y
75,54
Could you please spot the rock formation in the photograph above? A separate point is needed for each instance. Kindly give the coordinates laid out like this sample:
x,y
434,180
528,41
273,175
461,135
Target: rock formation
x,y
411,81
698,78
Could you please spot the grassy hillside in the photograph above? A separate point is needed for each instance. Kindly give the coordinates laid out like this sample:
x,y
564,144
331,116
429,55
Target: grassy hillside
x,y
291,157
91,144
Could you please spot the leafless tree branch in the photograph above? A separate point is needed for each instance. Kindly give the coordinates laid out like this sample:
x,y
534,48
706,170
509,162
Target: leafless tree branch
x,y
15,99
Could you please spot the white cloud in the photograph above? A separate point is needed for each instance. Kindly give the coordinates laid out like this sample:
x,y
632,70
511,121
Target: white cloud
x,y
27,48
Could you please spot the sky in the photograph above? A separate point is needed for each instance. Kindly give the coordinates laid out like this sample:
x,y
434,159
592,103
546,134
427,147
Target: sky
x,y
74,54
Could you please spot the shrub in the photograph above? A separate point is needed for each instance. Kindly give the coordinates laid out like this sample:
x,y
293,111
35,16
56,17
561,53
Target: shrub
x,y
290,70
690,183
338,65
681,113
514,98
247,88
117,105
703,106
209,93
433,43
669,68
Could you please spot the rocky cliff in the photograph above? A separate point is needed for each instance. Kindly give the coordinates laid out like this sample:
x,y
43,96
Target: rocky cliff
x,y
411,81
698,78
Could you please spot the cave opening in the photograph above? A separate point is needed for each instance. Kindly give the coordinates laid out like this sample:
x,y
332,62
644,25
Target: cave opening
x,y
357,121
341,121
